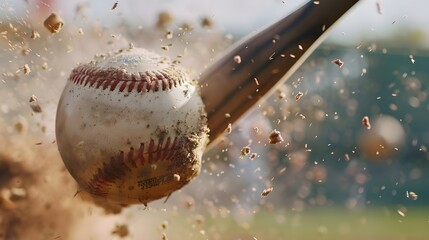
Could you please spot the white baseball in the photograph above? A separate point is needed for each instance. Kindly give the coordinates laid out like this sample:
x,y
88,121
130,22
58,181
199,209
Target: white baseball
x,y
131,127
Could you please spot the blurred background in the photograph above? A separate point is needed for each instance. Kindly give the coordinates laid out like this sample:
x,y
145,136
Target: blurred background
x,y
332,178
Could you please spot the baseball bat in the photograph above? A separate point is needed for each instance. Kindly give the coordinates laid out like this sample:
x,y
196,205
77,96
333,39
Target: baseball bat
x,y
229,89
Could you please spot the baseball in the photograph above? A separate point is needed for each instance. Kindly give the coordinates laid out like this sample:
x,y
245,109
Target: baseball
x,y
131,127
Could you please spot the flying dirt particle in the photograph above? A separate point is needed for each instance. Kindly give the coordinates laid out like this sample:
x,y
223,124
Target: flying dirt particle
x,y
256,81
412,195
412,59
275,137
34,35
338,62
266,192
229,128
378,5
199,219
34,104
25,51
189,202
164,236
32,98
115,5
346,157
244,151
26,69
298,96
164,225
256,130
54,23
45,66
281,95
168,35
237,59
206,22
366,123
176,177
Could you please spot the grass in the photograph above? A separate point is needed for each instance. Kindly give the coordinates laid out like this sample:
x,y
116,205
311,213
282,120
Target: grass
x,y
329,223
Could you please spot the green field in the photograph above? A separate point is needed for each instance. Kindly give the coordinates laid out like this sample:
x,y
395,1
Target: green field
x,y
375,223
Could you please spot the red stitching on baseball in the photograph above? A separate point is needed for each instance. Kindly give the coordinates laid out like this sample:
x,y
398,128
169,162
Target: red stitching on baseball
x,y
115,169
172,149
130,158
159,149
119,166
141,154
166,148
112,78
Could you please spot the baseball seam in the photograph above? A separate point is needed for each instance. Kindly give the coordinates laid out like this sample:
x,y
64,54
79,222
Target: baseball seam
x,y
113,78
117,167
